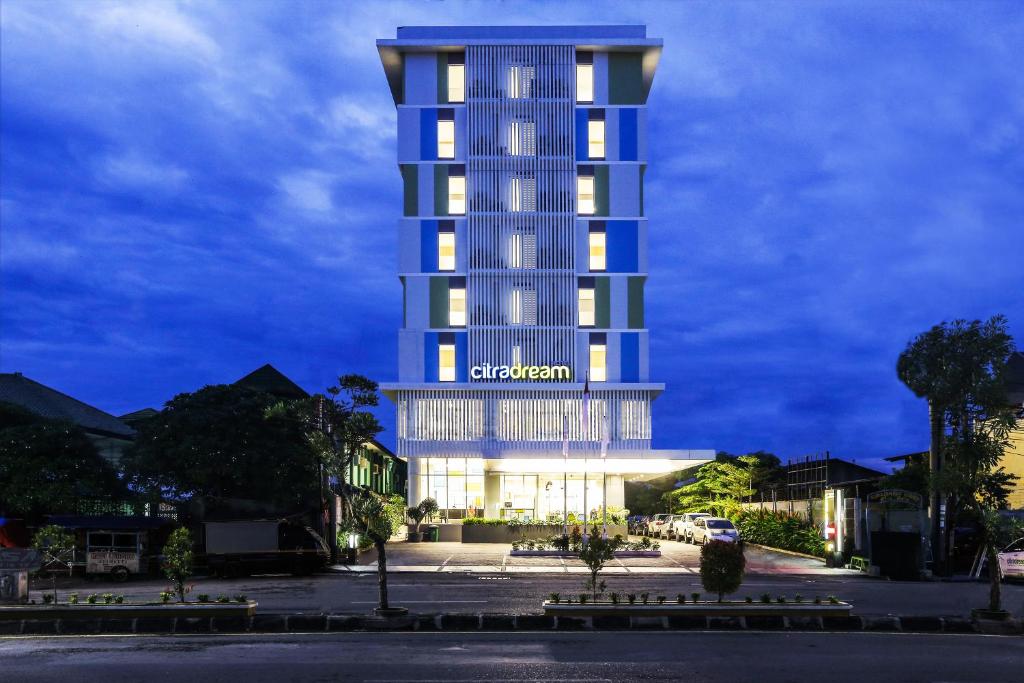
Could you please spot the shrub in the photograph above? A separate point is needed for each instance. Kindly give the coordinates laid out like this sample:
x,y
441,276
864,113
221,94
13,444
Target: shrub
x,y
594,554
748,600
781,599
695,597
680,598
644,597
92,599
721,567
165,596
780,530
223,599
108,598
583,598
631,597
765,598
817,599
615,598
241,597
73,599
833,600
554,597
661,599
203,597
47,598
798,598
119,599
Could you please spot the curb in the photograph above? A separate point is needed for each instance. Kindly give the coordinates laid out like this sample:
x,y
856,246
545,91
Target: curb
x,y
483,622
784,551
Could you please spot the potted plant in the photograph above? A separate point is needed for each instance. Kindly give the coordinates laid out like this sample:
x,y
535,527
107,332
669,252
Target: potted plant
x,y
415,515
429,508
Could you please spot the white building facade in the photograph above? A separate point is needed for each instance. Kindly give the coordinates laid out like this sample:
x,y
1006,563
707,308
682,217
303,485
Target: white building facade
x,y
523,262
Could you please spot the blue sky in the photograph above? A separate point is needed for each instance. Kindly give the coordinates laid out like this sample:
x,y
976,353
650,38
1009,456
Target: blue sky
x,y
190,190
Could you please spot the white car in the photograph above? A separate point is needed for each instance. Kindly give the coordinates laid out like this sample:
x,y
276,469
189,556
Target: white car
x,y
656,525
1011,560
714,529
682,525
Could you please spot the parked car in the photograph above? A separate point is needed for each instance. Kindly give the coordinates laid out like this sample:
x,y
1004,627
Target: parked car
x,y
714,529
636,524
1011,560
682,525
656,525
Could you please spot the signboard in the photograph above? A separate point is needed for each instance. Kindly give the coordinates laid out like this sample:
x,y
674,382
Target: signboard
x,y
102,561
896,499
20,559
522,373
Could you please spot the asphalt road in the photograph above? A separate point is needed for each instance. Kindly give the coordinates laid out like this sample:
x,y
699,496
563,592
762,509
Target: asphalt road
x,y
602,656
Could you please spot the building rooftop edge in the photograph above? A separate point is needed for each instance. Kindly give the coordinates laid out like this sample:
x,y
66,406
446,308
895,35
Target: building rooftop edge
x,y
527,31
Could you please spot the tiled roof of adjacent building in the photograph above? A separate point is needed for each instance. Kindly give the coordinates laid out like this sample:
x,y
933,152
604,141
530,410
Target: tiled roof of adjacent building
x,y
50,403
270,380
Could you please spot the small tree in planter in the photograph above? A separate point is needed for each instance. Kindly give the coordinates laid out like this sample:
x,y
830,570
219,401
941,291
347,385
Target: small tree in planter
x,y
57,546
416,515
594,553
429,508
177,563
721,567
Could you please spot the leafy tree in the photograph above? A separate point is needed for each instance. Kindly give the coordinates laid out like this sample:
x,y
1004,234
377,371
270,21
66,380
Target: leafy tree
x,y
49,466
377,518
721,567
720,486
594,553
959,368
57,546
177,563
912,477
226,441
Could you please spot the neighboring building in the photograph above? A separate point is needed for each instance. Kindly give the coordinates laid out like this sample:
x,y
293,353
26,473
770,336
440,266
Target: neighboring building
x,y
1013,460
523,261
270,380
110,435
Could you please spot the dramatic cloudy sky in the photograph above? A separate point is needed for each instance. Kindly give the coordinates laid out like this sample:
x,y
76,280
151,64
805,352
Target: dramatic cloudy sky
x,y
193,189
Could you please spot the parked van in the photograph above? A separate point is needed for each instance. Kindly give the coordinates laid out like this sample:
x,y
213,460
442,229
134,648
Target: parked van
x,y
240,548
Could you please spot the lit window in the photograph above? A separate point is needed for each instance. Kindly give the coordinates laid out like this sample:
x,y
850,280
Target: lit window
x,y
585,195
522,138
446,139
584,82
456,195
515,250
523,194
456,82
598,361
587,307
456,307
515,312
517,355
520,81
595,139
446,362
597,251
446,251
515,190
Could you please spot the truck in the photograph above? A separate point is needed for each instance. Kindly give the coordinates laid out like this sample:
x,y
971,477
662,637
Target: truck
x,y
263,546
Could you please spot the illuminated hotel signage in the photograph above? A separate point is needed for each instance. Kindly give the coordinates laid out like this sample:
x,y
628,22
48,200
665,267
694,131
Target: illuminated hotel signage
x,y
522,372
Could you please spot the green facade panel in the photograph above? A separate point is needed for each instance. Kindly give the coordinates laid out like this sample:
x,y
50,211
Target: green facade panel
x,y
442,78
440,190
439,302
625,78
635,311
602,303
410,189
601,190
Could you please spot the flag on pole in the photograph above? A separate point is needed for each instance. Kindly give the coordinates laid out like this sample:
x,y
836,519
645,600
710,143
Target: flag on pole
x,y
605,434
585,413
565,436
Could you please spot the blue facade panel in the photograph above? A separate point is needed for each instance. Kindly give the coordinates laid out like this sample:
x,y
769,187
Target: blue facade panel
x,y
428,246
629,350
582,148
627,135
430,359
461,357
428,134
622,245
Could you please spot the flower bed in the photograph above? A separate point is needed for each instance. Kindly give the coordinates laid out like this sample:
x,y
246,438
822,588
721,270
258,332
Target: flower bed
x,y
127,610
703,609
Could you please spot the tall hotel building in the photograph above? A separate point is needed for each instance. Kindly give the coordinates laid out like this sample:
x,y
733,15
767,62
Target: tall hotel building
x,y
523,261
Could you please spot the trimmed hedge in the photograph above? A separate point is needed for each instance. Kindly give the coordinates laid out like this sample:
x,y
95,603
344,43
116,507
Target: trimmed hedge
x,y
780,530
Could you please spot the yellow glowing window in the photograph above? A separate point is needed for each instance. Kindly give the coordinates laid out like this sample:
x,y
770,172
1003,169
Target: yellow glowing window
x,y
445,139
595,138
587,308
584,82
446,362
597,251
585,195
598,360
457,307
456,195
456,82
446,251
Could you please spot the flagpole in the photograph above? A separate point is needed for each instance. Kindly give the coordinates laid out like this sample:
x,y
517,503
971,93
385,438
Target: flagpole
x,y
585,428
565,475
604,466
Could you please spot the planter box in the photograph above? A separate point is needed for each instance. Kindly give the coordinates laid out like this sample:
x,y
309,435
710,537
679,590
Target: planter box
x,y
488,533
562,553
710,609
137,611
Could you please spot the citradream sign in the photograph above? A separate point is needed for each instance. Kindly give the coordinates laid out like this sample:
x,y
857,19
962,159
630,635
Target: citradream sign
x,y
522,373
